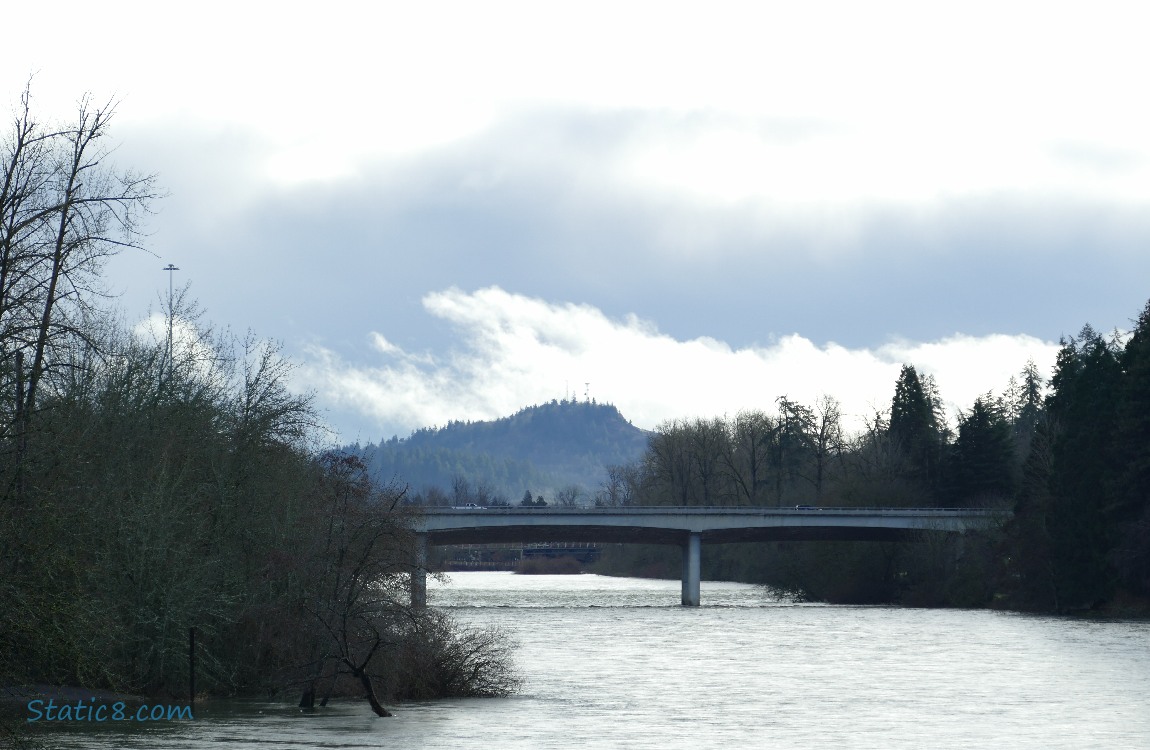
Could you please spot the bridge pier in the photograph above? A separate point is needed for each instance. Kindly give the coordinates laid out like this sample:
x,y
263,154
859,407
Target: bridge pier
x,y
692,560
419,573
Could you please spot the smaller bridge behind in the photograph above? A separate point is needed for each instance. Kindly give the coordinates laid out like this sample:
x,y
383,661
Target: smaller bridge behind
x,y
687,527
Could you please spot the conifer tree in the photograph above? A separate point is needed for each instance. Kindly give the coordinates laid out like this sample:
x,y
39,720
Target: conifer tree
x,y
914,425
1029,403
1129,510
983,454
1083,407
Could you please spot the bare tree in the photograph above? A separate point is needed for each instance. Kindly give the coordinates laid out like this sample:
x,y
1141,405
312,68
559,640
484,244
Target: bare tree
x,y
460,490
670,464
826,439
63,213
568,496
708,441
357,597
485,494
613,489
747,455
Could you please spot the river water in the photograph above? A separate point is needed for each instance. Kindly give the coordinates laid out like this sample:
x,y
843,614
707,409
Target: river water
x,y
617,663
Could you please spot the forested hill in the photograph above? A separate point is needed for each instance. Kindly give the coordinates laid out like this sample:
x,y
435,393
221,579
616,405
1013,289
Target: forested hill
x,y
543,449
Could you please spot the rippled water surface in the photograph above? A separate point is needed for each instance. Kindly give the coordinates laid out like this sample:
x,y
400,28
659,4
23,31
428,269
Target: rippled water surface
x,y
615,662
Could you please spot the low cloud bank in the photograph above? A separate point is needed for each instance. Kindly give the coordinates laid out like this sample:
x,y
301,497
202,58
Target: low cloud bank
x,y
512,350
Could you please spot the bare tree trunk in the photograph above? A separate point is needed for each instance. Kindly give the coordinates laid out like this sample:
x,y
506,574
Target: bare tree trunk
x,y
83,136
368,688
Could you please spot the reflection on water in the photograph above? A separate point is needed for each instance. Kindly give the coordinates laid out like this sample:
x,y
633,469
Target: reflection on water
x,y
615,662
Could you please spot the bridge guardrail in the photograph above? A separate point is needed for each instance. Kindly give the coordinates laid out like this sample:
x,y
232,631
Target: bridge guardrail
x,y
689,509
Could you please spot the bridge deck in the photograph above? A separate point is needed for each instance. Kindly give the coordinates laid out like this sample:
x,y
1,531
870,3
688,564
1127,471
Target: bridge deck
x,y
673,525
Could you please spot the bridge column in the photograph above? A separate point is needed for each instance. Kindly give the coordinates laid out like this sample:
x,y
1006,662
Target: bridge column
x,y
419,573
692,555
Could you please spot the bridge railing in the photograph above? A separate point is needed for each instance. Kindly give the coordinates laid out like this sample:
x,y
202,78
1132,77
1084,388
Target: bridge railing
x,y
701,509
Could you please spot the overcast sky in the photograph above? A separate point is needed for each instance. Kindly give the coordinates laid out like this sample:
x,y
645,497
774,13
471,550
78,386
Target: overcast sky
x,y
453,210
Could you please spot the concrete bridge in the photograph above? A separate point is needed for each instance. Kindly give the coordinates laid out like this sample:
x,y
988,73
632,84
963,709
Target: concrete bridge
x,y
687,527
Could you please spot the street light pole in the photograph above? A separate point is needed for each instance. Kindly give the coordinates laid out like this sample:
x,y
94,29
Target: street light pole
x,y
171,313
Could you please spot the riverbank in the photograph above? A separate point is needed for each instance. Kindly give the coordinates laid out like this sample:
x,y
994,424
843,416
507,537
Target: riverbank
x,y
1124,606
856,573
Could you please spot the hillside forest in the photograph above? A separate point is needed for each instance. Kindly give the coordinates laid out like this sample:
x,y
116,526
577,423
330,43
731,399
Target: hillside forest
x,y
556,451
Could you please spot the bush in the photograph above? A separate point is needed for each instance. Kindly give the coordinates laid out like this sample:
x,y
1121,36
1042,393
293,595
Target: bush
x,y
439,658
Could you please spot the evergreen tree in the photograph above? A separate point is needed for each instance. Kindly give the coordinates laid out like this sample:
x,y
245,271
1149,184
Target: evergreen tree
x,y
1084,409
1129,510
983,454
1029,399
914,426
1028,581
1022,406
1008,401
791,446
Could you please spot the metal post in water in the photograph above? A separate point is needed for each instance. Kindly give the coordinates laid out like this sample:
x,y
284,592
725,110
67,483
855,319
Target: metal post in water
x,y
192,669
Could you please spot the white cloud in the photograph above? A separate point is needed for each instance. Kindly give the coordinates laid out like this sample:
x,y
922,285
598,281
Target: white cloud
x,y
188,345
512,350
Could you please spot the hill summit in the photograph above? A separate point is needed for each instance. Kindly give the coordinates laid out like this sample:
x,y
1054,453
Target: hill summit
x,y
540,449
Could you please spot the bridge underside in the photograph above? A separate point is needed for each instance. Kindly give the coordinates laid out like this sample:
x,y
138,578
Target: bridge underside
x,y
690,541
690,528
633,535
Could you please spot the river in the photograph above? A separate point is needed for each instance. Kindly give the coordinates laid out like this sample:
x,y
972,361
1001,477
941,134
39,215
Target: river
x,y
617,663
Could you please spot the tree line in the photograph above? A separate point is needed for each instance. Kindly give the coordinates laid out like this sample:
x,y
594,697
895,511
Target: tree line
x,y
798,454
150,485
1070,457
